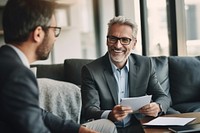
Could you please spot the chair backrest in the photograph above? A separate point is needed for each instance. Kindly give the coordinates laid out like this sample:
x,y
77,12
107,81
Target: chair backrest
x,y
72,69
52,71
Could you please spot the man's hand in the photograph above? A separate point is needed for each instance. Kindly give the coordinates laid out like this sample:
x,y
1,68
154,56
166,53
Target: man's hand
x,y
83,129
119,112
151,109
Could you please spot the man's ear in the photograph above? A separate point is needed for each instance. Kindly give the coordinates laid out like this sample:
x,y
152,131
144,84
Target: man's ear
x,y
38,34
135,41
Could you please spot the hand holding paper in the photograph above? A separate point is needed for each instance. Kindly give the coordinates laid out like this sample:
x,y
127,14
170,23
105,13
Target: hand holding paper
x,y
136,102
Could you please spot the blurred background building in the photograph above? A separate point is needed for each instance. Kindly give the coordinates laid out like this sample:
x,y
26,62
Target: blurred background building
x,y
166,27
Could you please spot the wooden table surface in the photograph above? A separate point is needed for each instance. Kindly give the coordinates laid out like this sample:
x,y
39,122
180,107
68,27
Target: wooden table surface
x,y
165,129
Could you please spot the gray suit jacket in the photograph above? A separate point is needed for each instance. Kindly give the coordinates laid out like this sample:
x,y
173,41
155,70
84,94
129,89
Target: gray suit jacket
x,y
19,101
99,87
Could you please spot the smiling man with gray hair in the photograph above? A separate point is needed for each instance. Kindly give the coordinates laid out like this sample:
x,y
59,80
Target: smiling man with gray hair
x,y
121,74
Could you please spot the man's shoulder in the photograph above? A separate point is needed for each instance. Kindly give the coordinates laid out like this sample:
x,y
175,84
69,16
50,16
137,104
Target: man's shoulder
x,y
11,63
99,61
139,58
99,64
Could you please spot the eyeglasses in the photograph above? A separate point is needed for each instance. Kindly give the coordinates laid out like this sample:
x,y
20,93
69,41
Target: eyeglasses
x,y
123,40
57,30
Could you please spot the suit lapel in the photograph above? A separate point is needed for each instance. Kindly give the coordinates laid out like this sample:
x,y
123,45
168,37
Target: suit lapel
x,y
112,84
110,79
133,68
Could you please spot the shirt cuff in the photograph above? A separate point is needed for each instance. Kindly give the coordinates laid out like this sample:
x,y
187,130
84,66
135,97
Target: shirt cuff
x,y
105,114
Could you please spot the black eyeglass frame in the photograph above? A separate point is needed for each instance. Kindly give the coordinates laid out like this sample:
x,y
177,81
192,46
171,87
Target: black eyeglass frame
x,y
120,39
56,31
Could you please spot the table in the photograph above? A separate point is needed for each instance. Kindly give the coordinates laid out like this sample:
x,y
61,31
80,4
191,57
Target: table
x,y
165,129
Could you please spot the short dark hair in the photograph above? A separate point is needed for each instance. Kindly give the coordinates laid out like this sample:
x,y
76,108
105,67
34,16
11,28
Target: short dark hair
x,y
21,17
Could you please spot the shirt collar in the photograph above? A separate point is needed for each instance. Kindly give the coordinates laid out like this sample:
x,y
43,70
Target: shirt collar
x,y
21,55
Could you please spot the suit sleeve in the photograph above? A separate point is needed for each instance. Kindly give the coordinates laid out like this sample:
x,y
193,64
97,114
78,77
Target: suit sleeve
x,y
58,125
21,110
159,95
90,96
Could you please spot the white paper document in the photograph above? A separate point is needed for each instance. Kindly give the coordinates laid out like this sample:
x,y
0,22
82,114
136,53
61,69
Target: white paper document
x,y
169,121
136,102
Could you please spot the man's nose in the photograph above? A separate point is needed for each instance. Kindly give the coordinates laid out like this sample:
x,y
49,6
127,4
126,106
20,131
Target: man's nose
x,y
118,44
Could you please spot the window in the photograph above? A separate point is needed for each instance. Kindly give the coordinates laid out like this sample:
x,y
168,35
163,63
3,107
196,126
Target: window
x,y
192,9
157,33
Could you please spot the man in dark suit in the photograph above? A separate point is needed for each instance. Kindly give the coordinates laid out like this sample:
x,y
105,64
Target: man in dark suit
x,y
30,30
120,74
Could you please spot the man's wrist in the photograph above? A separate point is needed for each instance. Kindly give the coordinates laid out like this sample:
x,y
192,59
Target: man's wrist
x,y
110,117
161,109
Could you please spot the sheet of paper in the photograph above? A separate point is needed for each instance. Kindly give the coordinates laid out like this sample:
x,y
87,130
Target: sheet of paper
x,y
169,121
136,102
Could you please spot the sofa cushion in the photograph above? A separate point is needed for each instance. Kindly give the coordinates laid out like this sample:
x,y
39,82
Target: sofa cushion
x,y
72,69
184,75
61,98
188,107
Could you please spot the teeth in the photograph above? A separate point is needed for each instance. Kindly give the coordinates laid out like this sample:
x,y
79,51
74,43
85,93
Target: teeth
x,y
118,51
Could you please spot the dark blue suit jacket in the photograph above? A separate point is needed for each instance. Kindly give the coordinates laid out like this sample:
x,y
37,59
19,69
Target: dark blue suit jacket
x,y
99,87
20,111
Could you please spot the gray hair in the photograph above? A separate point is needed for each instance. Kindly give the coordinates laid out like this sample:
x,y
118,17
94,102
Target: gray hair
x,y
123,21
